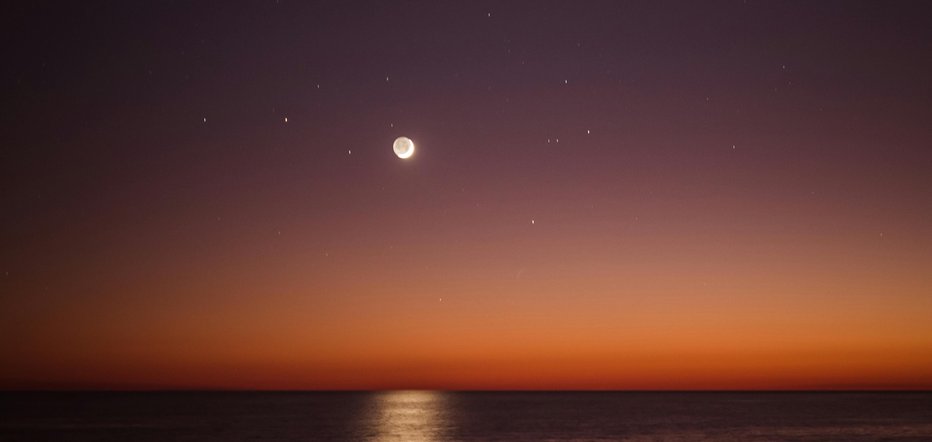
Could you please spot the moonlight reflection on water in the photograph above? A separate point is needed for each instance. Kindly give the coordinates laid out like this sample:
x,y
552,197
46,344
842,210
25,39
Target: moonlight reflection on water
x,y
416,416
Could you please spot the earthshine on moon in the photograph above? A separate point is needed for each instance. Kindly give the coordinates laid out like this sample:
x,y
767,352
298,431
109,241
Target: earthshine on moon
x,y
403,147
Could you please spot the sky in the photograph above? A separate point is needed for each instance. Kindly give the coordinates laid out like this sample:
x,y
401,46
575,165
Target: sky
x,y
604,195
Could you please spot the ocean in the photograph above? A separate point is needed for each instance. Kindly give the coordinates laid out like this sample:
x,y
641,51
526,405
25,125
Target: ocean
x,y
465,416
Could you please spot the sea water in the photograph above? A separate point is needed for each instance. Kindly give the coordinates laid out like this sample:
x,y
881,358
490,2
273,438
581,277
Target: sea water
x,y
465,416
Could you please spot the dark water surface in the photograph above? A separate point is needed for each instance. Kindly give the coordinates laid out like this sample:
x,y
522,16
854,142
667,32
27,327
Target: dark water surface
x,y
472,416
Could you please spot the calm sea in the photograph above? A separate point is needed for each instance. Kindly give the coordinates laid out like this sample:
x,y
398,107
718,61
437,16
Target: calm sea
x,y
452,416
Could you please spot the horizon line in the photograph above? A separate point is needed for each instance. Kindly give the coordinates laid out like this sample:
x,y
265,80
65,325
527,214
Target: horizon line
x,y
518,390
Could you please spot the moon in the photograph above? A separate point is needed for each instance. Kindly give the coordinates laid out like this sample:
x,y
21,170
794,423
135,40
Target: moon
x,y
403,147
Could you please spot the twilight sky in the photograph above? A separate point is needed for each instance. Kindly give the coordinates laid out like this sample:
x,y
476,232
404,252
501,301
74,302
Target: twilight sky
x,y
623,195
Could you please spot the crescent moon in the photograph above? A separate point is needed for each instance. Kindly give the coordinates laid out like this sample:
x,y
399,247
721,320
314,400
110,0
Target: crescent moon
x,y
403,147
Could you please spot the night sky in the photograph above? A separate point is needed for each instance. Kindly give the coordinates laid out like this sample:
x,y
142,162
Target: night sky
x,y
604,195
